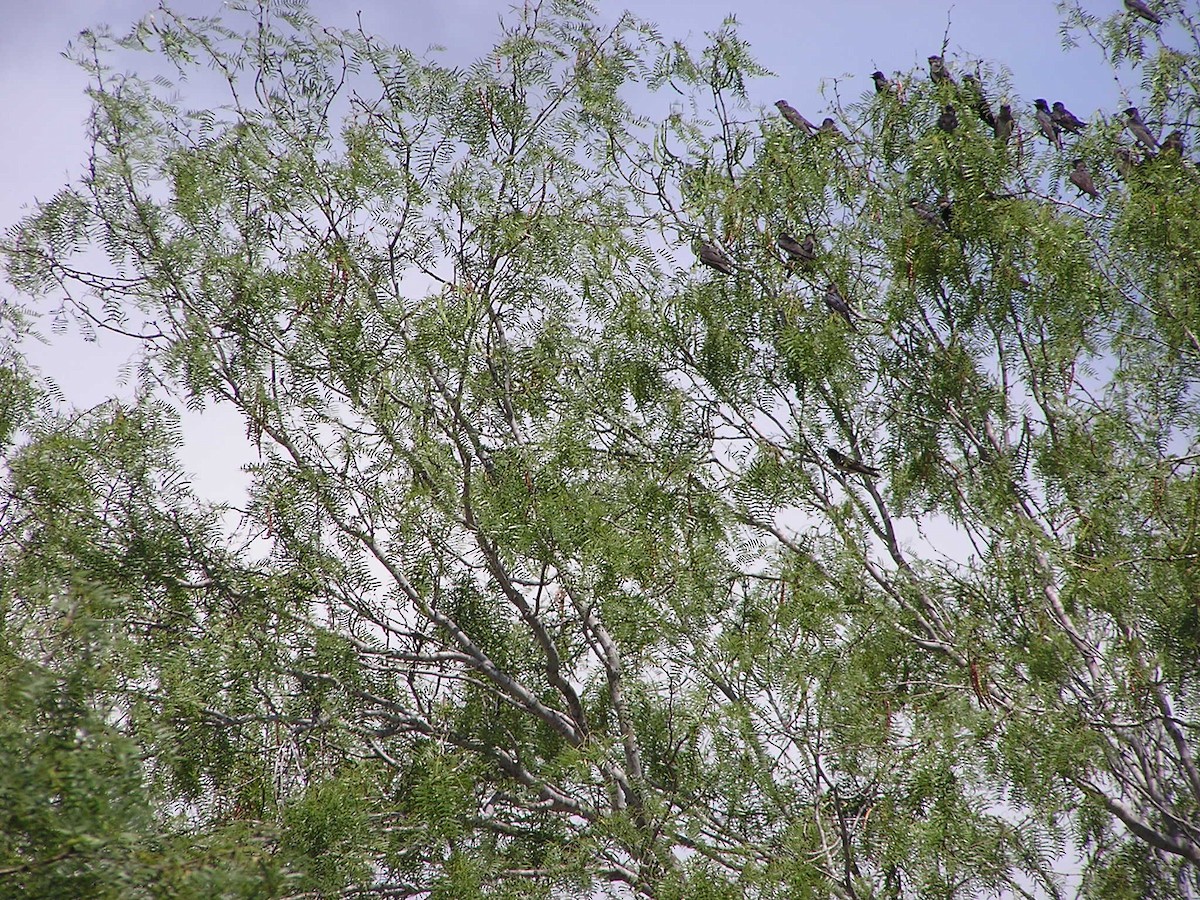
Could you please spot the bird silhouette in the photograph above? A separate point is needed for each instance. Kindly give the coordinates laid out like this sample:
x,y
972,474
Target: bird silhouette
x,y
805,253
938,73
1004,124
714,258
1139,130
850,466
793,116
1082,179
1173,142
1065,119
882,85
948,120
837,303
983,109
1046,123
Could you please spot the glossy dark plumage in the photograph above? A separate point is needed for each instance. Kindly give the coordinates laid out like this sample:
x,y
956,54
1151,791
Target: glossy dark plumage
x,y
882,85
805,253
1046,123
794,118
850,466
1138,8
948,120
1004,124
837,303
714,258
1065,119
1139,130
979,100
1082,179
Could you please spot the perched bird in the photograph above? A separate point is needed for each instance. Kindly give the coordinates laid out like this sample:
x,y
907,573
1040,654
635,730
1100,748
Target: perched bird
x,y
982,108
837,303
828,126
929,215
714,258
1004,124
1082,179
948,120
1126,162
1139,130
793,116
938,73
1173,142
1046,123
850,466
1138,8
805,254
1065,119
882,85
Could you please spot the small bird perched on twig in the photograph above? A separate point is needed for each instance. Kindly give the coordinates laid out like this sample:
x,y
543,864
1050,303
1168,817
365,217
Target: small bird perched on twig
x,y
1004,124
837,303
1065,119
882,85
1173,142
1139,130
1140,9
1046,123
793,116
931,216
979,100
850,466
714,258
805,254
1082,179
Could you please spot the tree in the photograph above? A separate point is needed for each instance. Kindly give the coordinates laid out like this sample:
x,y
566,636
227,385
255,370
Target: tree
x,y
547,578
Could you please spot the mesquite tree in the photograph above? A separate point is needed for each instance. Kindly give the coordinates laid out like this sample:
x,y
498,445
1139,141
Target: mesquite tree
x,y
571,563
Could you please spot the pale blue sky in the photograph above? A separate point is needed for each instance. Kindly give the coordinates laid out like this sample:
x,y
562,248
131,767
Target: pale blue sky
x,y
803,42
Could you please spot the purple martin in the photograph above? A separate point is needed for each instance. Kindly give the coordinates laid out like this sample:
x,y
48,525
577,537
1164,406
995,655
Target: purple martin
x,y
948,120
1082,179
714,258
837,303
828,126
1046,123
982,108
1173,142
850,466
1065,119
882,85
1138,8
937,71
805,254
798,121
1004,124
1139,130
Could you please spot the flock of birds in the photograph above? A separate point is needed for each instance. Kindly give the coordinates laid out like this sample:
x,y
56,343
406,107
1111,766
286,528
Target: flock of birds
x,y
1052,121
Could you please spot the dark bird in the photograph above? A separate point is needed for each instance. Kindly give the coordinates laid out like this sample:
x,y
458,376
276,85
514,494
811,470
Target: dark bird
x,y
982,108
931,216
805,254
794,118
882,85
948,120
1082,179
938,73
1138,8
1065,119
1046,123
714,258
837,303
1139,130
828,126
1004,124
1173,142
850,466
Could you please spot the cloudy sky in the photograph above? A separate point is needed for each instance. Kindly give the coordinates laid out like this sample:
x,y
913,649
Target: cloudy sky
x,y
802,41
